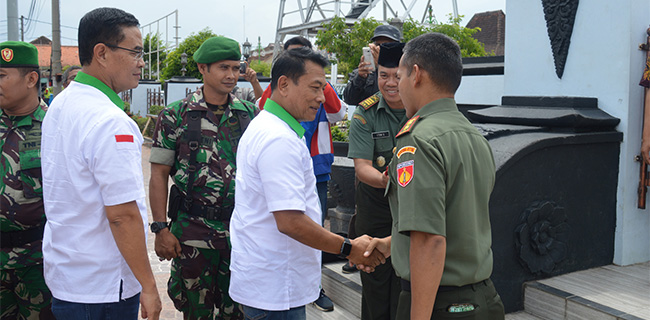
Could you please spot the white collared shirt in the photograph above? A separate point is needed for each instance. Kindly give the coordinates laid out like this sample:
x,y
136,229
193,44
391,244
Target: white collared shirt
x,y
91,158
270,270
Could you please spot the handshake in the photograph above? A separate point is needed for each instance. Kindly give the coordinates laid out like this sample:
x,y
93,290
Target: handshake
x,y
368,252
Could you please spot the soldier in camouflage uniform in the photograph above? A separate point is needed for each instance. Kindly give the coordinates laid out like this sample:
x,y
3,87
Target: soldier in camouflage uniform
x,y
23,292
197,239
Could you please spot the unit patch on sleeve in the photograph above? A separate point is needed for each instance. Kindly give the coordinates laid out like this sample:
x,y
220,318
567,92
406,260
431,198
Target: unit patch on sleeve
x,y
408,126
405,171
407,149
360,118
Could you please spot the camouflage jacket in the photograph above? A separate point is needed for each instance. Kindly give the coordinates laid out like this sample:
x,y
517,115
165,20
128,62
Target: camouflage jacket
x,y
21,188
214,182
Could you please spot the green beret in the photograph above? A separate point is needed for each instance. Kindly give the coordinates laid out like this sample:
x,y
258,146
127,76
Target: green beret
x,y
18,54
217,49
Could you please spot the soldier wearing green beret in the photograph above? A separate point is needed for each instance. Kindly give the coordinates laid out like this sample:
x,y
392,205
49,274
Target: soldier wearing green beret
x,y
373,128
195,142
23,292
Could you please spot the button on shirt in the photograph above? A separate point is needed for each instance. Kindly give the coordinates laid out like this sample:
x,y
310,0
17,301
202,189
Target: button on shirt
x,y
91,158
270,270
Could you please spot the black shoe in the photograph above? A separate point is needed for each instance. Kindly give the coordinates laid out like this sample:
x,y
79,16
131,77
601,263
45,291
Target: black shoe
x,y
349,269
324,303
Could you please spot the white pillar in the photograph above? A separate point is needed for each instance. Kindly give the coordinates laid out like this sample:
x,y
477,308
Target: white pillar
x,y
603,62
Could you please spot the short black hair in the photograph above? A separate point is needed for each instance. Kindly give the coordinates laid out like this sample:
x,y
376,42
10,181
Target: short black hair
x,y
438,55
298,40
291,63
102,25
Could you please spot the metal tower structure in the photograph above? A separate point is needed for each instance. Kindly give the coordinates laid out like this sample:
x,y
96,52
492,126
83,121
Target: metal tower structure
x,y
307,18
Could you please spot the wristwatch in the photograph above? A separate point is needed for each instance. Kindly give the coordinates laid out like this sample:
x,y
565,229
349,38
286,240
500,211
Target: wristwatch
x,y
346,248
158,226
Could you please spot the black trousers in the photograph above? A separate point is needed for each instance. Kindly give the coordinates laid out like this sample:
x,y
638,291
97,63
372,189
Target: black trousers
x,y
482,296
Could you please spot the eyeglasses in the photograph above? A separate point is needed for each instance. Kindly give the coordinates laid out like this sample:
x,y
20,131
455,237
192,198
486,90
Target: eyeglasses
x,y
138,53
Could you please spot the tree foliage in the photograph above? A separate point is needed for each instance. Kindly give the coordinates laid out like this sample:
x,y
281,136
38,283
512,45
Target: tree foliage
x,y
261,67
347,42
336,37
189,46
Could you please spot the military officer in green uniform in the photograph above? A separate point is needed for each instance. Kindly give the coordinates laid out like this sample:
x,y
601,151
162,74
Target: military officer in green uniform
x,y
195,142
441,178
372,138
23,292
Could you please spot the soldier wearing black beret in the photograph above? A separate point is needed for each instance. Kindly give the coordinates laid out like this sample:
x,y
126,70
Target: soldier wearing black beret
x,y
374,125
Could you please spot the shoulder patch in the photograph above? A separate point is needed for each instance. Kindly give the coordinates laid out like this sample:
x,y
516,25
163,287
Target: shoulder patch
x,y
360,118
408,126
407,149
371,101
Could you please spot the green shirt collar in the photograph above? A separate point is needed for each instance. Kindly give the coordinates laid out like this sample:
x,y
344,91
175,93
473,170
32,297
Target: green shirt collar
x,y
277,110
440,105
97,84
22,121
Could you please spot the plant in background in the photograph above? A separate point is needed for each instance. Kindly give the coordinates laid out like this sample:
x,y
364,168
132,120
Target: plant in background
x,y
189,46
340,131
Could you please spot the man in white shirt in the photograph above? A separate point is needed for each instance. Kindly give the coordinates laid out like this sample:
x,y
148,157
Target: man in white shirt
x,y
94,245
275,228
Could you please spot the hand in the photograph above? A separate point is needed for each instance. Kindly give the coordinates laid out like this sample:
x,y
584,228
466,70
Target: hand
x,y
167,245
369,262
364,70
381,245
250,75
374,49
385,178
150,302
645,149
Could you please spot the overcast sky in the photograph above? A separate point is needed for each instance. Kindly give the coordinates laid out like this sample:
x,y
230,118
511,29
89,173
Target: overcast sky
x,y
237,19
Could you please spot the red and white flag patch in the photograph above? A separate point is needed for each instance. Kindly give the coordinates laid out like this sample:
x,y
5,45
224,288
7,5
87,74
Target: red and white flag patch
x,y
123,138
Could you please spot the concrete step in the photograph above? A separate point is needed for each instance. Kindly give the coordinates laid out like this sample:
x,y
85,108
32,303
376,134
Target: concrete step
x,y
343,289
609,292
521,315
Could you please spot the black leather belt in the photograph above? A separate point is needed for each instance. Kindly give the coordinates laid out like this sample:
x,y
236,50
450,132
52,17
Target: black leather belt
x,y
406,286
14,239
211,212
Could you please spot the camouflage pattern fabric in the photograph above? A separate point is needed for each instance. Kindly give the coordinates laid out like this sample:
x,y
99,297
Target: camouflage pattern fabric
x,y
199,284
22,291
24,294
214,184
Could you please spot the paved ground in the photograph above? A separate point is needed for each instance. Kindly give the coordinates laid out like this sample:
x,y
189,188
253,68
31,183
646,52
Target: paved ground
x,y
160,268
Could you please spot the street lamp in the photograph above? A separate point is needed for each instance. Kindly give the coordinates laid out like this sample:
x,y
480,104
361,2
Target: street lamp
x,y
247,49
183,63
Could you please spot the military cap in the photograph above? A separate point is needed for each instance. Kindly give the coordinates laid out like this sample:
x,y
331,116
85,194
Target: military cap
x,y
18,54
217,49
389,54
387,31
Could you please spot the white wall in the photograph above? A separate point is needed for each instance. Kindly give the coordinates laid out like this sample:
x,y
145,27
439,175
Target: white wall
x,y
485,90
603,62
139,98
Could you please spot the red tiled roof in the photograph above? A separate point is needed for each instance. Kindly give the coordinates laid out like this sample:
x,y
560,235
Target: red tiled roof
x,y
493,30
69,55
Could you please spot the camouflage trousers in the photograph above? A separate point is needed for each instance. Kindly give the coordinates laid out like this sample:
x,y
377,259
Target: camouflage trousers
x,y
24,294
199,284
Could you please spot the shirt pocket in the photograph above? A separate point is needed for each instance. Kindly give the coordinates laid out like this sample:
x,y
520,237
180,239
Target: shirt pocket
x,y
30,173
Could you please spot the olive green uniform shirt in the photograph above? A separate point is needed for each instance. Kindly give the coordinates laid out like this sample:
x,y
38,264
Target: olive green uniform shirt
x,y
441,177
372,131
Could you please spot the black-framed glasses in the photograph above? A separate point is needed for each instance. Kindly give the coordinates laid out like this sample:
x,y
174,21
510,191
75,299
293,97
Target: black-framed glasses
x,y
138,53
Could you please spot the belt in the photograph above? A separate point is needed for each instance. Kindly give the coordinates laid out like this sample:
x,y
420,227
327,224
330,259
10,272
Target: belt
x,y
406,286
211,212
14,239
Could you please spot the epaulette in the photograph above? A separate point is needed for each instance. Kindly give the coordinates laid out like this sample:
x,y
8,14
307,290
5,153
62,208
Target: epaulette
x,y
408,126
371,101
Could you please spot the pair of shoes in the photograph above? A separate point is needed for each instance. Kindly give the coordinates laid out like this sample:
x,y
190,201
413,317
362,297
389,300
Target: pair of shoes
x,y
349,269
323,302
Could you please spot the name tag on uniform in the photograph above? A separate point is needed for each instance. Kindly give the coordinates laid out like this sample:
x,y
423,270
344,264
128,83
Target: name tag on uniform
x,y
380,134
